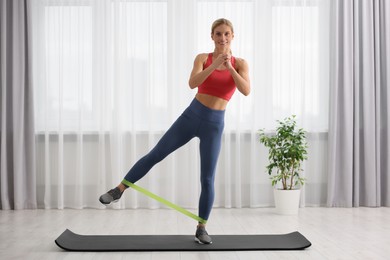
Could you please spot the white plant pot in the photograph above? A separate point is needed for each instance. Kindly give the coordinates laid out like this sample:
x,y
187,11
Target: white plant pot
x,y
287,201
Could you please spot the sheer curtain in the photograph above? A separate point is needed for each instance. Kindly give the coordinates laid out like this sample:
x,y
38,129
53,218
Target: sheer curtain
x,y
111,76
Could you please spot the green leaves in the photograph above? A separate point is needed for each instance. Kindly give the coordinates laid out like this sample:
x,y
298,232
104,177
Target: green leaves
x,y
287,149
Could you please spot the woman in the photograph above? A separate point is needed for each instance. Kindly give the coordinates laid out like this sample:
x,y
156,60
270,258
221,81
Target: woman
x,y
216,75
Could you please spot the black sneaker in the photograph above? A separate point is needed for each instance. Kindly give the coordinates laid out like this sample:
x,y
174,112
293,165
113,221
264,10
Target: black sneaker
x,y
111,196
201,236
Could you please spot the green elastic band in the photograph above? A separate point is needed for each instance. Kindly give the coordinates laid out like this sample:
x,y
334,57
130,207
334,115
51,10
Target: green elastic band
x,y
164,201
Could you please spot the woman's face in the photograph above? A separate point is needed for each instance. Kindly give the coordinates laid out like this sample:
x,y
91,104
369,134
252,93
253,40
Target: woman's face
x,y
222,36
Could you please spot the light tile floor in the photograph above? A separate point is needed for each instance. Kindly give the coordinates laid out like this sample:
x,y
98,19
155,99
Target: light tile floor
x,y
335,233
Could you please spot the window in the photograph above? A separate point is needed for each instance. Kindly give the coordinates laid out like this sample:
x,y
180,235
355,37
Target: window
x,y
108,64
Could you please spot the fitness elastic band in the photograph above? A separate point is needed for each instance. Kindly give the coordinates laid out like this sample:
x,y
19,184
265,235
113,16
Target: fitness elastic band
x,y
164,201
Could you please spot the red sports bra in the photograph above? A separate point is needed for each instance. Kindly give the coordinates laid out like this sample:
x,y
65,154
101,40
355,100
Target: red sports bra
x,y
219,83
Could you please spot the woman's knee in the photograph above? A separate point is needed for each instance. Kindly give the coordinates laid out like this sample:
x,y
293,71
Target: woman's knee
x,y
207,182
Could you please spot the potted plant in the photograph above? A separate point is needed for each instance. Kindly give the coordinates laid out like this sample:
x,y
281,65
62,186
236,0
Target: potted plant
x,y
287,150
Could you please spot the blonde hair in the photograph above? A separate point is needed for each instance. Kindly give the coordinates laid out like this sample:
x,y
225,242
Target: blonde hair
x,y
221,21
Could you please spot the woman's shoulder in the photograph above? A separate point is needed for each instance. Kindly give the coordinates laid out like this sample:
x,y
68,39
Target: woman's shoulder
x,y
240,62
201,58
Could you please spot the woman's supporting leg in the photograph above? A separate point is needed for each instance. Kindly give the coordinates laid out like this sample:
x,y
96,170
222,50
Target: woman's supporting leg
x,y
210,146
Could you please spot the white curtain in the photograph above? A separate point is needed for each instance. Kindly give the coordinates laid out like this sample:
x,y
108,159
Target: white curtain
x,y
111,76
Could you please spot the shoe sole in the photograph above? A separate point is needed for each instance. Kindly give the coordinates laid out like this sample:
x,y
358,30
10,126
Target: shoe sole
x,y
200,242
107,204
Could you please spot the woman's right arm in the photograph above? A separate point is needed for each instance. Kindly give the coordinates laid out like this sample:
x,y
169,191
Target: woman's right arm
x,y
198,74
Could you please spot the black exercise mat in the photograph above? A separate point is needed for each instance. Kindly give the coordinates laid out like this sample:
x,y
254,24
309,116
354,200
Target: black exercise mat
x,y
74,242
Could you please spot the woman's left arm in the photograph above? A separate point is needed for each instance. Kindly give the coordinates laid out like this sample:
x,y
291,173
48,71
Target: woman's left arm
x,y
241,76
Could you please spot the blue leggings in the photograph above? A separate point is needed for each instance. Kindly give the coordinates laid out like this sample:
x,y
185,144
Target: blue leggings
x,y
196,121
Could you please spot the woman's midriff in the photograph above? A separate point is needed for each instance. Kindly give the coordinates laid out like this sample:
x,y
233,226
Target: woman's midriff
x,y
212,102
